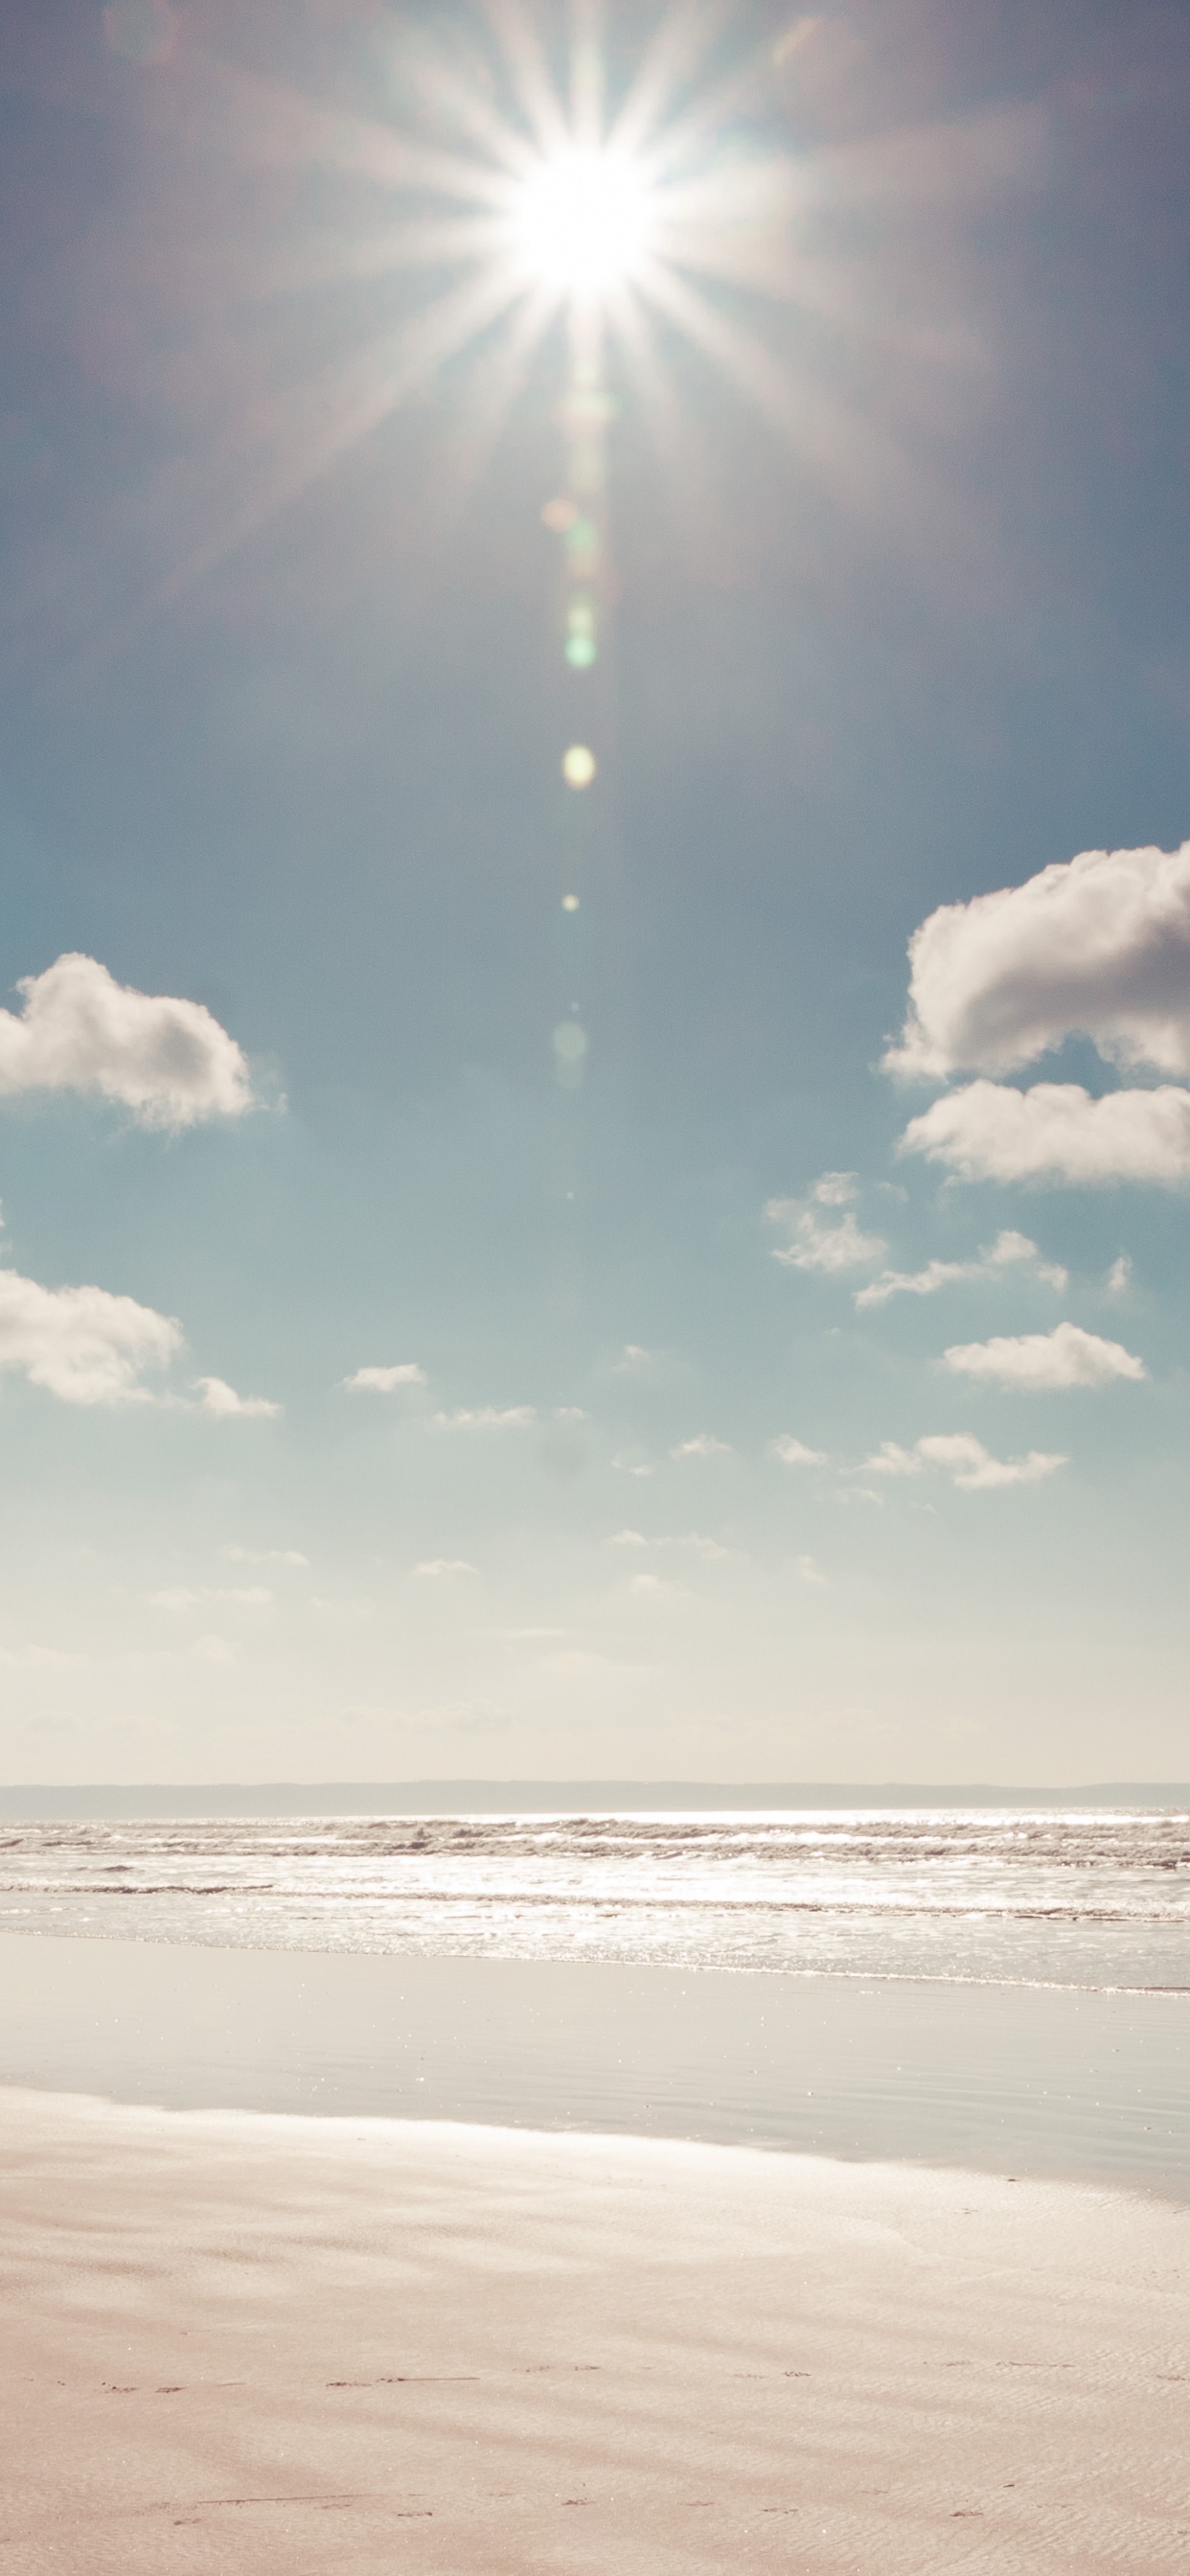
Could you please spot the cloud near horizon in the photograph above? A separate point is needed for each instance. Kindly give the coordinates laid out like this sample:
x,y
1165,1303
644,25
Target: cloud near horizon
x,y
165,1059
1009,1251
1097,946
1032,1362
965,1460
1056,1133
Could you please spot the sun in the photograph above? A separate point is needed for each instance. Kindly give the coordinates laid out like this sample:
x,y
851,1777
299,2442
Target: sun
x,y
583,222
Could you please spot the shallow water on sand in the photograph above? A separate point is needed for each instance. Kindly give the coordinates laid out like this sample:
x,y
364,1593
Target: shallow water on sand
x,y
1028,2080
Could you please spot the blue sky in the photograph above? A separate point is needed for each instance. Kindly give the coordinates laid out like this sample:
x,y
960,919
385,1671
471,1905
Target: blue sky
x,y
891,601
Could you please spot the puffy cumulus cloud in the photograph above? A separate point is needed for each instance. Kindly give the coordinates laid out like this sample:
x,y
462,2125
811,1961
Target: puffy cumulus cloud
x,y
166,1060
965,1460
794,1453
385,1381
1009,1251
1035,1362
822,1230
1098,946
83,1344
487,1417
1057,1133
703,1445
217,1397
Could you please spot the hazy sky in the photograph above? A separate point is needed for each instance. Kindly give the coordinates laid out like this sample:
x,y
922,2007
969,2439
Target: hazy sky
x,y
443,1332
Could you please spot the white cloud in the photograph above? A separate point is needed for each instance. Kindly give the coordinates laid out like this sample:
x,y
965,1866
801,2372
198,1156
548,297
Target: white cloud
x,y
809,1571
1067,1357
385,1381
692,1539
438,1565
219,1398
1099,946
167,1060
82,1344
965,1460
1056,1132
634,1361
1119,1277
970,1466
487,1417
1007,1252
818,1243
703,1445
794,1453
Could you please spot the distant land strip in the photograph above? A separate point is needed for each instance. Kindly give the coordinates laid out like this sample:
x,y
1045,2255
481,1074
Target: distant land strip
x,y
118,1801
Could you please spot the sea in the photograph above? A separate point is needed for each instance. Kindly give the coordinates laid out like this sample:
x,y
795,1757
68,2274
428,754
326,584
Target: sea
x,y
994,1986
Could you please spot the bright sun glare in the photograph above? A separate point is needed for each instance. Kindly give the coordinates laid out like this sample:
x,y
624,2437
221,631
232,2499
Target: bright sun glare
x,y
583,222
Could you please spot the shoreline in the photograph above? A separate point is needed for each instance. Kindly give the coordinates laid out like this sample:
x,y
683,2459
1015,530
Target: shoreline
x,y
454,2347
1060,2082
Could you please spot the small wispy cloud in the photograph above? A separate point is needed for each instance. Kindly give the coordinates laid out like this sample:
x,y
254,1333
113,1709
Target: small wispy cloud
x,y
634,1361
384,1381
1009,1251
487,1417
819,1241
794,1453
442,1717
809,1570
1119,1277
692,1540
703,1445
444,1565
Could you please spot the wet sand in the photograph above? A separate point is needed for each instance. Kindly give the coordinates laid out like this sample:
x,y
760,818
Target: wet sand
x,y
289,2345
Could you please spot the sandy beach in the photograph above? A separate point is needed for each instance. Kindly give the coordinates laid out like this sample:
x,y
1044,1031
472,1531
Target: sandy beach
x,y
242,2340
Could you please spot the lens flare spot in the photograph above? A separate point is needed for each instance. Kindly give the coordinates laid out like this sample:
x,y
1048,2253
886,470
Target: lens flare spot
x,y
570,903
578,765
582,547
560,515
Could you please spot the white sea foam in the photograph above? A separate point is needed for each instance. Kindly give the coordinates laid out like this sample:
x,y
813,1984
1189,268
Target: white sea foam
x,y
1088,1898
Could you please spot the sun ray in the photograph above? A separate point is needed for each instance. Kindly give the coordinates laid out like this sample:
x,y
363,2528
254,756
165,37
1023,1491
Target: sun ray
x,y
533,83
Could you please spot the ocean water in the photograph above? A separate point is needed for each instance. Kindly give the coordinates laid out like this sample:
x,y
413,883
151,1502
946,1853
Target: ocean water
x,y
1091,1899
996,1988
